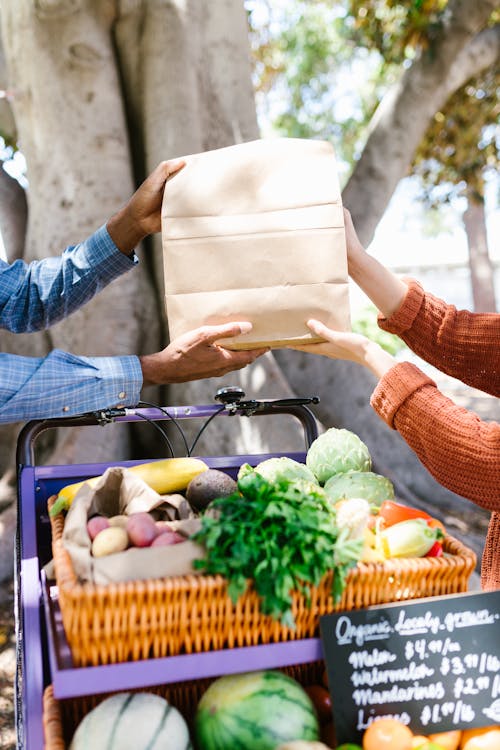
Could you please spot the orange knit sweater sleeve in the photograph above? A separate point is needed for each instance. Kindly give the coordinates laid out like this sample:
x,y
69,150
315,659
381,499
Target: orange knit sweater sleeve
x,y
461,344
460,450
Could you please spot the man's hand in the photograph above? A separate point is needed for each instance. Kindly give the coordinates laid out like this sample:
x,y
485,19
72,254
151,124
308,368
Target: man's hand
x,y
349,346
195,355
141,215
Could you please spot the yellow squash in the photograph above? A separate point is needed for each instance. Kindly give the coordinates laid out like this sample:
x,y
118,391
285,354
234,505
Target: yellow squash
x,y
164,476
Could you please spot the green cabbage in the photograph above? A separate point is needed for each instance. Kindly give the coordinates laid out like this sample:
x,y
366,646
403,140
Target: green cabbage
x,y
277,469
335,452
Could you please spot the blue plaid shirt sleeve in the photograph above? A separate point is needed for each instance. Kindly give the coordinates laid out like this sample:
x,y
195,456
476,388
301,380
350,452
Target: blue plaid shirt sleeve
x,y
34,296
64,385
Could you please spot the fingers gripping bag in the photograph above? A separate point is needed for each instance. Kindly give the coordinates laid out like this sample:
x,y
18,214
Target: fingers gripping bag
x,y
256,232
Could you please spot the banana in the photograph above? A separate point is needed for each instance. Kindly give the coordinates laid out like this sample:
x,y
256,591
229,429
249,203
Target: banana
x,y
164,476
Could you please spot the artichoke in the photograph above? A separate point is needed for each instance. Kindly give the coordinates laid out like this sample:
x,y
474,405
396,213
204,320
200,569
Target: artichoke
x,y
372,487
335,452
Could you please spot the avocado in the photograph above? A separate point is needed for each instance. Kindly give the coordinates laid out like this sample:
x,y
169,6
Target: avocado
x,y
208,485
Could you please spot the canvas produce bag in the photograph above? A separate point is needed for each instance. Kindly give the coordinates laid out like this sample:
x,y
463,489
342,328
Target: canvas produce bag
x,y
117,492
255,232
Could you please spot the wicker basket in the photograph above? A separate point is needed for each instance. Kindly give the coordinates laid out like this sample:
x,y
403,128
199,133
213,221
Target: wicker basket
x,y
169,616
61,718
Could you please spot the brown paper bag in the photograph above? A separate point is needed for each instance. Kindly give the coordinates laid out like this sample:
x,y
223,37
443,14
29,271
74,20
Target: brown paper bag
x,y
118,492
255,232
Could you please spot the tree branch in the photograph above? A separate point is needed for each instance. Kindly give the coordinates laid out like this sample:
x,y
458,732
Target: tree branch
x,y
403,115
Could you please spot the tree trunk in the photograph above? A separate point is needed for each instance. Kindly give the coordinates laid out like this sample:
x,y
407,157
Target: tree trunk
x,y
133,84
13,215
481,267
69,113
188,88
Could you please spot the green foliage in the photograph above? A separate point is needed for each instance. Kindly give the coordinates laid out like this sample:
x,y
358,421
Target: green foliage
x,y
308,53
304,65
278,536
462,142
366,324
396,29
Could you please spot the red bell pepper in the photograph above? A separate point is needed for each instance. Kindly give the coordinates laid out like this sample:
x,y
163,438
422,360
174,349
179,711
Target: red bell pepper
x,y
436,550
393,512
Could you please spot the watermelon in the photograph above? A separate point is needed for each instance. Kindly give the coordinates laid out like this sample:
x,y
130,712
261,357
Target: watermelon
x,y
132,721
254,711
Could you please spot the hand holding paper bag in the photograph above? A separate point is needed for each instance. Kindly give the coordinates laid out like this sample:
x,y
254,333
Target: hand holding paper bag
x,y
255,232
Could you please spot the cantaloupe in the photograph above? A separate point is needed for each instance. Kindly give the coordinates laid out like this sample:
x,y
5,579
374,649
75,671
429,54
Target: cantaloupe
x,y
132,721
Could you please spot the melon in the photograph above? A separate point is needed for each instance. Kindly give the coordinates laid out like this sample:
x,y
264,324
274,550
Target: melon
x,y
254,711
132,721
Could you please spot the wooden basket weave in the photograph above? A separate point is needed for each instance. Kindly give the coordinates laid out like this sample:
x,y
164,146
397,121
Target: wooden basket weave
x,y
106,624
61,718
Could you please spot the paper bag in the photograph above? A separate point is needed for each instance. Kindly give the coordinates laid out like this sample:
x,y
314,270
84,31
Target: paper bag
x,y
255,232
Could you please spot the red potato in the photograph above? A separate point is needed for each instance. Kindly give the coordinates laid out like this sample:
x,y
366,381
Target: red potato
x,y
141,529
167,538
163,526
95,525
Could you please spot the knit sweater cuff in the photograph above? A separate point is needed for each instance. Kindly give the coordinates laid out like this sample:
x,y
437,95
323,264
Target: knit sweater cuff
x,y
395,387
403,318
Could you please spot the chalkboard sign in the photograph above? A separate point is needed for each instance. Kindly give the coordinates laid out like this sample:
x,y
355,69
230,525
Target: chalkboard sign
x,y
432,663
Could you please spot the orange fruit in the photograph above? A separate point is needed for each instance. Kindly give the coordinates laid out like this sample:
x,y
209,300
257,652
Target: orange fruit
x,y
418,740
485,738
387,734
448,740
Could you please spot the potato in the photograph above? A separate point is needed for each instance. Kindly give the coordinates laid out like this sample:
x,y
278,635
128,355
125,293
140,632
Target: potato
x,y
168,537
141,529
109,541
118,521
95,525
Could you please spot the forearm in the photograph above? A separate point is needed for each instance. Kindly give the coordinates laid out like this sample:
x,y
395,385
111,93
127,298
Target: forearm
x,y
460,450
457,342
124,231
386,290
63,385
35,296
377,360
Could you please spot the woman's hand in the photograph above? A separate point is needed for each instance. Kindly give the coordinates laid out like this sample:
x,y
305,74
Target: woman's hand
x,y
349,346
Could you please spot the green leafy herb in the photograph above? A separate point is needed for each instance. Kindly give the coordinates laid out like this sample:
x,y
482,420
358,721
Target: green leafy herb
x,y
282,536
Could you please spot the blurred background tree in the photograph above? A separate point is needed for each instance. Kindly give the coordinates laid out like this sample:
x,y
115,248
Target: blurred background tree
x,y
307,55
109,88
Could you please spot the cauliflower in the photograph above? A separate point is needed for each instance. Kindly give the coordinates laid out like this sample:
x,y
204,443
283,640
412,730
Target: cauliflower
x,y
353,514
